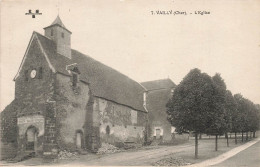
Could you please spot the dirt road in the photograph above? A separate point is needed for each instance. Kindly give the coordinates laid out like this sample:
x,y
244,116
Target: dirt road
x,y
137,158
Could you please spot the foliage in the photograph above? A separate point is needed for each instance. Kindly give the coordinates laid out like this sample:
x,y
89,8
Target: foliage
x,y
189,109
218,118
202,104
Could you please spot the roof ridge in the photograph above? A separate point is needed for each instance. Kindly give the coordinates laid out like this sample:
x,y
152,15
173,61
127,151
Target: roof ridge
x,y
110,68
104,79
98,62
158,80
58,21
42,35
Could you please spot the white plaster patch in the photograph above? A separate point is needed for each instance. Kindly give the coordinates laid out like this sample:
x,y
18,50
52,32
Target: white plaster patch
x,y
33,120
173,129
161,131
102,104
134,116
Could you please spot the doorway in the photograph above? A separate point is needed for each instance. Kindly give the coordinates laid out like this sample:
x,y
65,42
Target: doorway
x,y
79,139
158,133
31,138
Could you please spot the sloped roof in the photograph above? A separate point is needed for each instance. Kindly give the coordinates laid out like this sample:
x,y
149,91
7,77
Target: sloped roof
x,y
158,84
58,22
156,104
104,81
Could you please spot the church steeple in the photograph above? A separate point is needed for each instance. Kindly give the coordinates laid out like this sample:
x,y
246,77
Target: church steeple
x,y
60,35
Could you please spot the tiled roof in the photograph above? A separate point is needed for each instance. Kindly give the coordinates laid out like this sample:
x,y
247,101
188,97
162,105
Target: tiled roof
x,y
158,84
104,81
156,104
57,22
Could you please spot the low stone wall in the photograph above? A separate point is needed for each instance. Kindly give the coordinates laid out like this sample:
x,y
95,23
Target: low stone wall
x,y
8,150
118,123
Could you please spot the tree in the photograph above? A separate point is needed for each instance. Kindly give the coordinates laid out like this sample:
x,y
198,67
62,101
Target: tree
x,y
243,107
231,111
257,121
189,109
253,117
237,120
218,117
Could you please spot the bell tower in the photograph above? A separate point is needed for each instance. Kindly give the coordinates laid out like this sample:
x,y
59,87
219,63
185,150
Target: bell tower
x,y
61,36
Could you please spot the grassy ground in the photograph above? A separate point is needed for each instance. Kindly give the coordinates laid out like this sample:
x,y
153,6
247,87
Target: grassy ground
x,y
207,149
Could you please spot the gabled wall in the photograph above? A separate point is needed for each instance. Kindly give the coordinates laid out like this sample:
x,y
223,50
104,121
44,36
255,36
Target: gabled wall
x,y
156,105
32,94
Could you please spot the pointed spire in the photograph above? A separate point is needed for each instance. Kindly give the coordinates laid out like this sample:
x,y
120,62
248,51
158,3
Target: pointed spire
x,y
58,21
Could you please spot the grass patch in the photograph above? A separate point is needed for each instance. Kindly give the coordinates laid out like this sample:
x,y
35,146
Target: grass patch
x,y
207,149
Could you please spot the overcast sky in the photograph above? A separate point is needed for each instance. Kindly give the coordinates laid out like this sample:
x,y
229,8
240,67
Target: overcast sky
x,y
127,37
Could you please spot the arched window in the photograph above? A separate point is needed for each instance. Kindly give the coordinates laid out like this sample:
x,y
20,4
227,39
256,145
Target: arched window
x,y
107,130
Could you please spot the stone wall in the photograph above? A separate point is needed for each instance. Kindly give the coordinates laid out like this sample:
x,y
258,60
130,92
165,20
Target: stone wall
x,y
62,43
156,105
165,129
118,123
9,123
71,111
31,94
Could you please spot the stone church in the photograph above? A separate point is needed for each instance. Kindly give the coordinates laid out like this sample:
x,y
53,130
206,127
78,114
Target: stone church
x,y
65,99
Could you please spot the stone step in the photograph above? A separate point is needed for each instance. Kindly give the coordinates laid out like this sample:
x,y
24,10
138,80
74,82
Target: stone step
x,y
22,156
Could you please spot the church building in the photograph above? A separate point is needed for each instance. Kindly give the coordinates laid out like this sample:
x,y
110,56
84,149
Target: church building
x,y
65,99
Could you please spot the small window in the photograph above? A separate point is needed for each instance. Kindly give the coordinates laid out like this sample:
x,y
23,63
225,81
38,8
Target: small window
x,y
40,72
107,130
62,34
74,79
26,75
51,32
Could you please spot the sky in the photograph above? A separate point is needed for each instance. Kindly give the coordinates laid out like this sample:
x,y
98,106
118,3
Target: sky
x,y
124,35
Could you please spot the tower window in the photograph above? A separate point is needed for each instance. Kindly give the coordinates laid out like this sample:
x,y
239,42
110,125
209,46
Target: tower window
x,y
62,35
26,75
40,72
107,130
51,32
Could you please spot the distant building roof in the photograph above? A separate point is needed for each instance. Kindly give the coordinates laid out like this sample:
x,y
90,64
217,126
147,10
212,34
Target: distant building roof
x,y
104,81
159,84
159,93
156,104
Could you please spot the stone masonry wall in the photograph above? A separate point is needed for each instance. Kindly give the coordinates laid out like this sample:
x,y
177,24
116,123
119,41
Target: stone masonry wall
x,y
71,111
118,123
31,94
